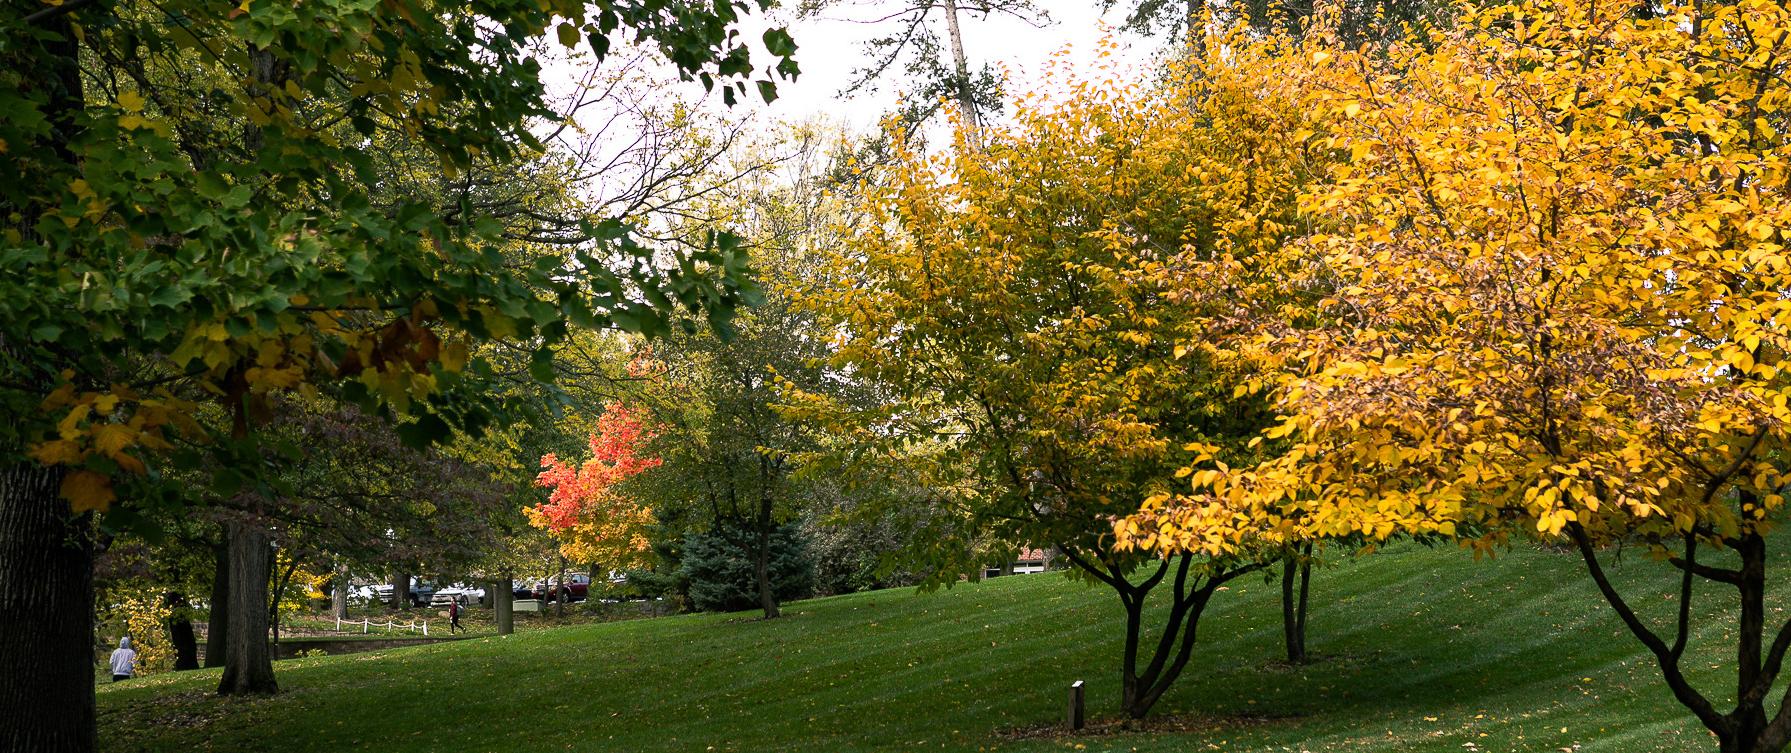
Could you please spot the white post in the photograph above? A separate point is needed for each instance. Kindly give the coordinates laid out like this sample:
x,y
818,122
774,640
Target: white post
x,y
425,628
363,626
338,623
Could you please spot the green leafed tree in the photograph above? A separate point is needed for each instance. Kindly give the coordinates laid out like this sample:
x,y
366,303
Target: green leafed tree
x,y
194,214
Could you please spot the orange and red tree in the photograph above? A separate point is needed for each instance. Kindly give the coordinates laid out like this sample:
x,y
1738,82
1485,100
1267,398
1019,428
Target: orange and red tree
x,y
590,517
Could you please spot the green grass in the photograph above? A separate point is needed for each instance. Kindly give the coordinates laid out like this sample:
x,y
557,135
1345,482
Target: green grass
x,y
1418,650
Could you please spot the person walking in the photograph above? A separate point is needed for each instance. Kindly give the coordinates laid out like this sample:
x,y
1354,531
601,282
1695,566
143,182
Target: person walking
x,y
124,660
454,617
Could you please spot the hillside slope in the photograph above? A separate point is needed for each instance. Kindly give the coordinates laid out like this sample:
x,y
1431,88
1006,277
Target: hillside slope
x,y
1418,650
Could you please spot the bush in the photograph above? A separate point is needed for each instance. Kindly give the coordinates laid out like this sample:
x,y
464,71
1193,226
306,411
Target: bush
x,y
854,554
718,565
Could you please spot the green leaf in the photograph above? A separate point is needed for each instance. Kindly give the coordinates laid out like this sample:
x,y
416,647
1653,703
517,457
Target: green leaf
x,y
778,42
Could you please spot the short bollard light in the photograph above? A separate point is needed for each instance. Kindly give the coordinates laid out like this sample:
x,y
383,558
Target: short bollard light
x,y
1075,711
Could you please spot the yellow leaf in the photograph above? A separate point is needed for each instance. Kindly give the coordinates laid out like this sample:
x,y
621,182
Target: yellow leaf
x,y
86,490
57,452
112,439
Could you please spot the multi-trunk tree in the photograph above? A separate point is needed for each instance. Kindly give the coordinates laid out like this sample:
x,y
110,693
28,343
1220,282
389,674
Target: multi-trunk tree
x,y
1027,305
1557,303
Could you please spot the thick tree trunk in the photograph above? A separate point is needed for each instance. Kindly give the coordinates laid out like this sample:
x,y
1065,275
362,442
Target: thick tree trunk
x,y
401,590
180,632
46,616
46,552
248,665
217,625
505,595
1750,718
339,594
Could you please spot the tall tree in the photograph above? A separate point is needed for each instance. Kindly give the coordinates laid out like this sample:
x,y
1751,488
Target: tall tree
x,y
1557,310
195,207
938,73
1028,305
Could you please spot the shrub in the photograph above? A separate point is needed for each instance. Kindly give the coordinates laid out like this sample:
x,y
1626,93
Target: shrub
x,y
719,566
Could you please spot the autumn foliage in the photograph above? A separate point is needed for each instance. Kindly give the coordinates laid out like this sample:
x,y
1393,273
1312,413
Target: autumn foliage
x,y
592,520
1552,278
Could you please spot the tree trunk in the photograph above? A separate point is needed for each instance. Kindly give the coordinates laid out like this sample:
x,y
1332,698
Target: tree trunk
x,y
339,594
1196,39
1300,611
180,632
273,607
1295,580
961,67
46,615
217,623
505,595
401,590
761,559
1750,718
559,591
248,665
1140,689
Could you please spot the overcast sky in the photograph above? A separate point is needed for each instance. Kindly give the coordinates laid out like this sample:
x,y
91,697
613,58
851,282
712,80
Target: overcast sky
x,y
830,48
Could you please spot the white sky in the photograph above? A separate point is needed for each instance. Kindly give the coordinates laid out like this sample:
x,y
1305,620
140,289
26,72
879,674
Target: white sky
x,y
831,47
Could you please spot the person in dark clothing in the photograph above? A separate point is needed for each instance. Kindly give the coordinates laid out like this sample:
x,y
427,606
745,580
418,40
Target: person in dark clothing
x,y
454,617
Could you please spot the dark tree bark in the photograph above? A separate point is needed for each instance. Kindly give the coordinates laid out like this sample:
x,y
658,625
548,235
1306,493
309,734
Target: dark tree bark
x,y
1141,688
1748,727
273,607
401,590
248,664
217,625
46,552
46,615
559,591
505,595
180,633
761,559
1295,580
769,472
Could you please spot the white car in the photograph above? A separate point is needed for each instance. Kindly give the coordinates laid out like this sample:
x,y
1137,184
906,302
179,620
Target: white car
x,y
465,594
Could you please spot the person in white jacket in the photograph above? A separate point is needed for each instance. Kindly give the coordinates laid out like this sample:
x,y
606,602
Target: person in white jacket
x,y
124,660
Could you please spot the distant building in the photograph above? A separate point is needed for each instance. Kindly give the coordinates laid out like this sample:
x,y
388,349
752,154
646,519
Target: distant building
x,y
1027,560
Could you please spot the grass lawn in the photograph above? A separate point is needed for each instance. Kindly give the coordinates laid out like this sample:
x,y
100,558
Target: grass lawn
x,y
1417,650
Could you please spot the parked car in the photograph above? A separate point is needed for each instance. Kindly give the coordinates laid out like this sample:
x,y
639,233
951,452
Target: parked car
x,y
420,592
465,594
576,588
525,589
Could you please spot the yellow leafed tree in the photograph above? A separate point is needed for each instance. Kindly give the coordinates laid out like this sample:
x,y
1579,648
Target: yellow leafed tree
x,y
1051,308
1556,305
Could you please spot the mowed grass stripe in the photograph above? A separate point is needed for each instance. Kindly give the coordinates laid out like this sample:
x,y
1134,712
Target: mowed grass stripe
x,y
1418,650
